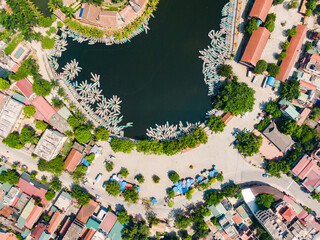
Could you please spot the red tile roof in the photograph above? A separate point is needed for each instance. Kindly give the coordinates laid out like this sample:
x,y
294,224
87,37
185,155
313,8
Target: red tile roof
x,y
7,236
311,220
301,165
303,116
292,52
289,214
1,97
6,211
31,190
15,68
255,46
86,211
33,217
65,226
89,234
237,219
25,87
302,214
260,9
227,117
55,222
43,107
108,222
308,85
36,233
72,160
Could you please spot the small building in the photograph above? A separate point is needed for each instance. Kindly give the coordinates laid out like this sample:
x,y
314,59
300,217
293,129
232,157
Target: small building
x,y
268,149
50,144
289,214
11,196
255,47
20,53
25,87
73,159
9,115
63,201
260,9
86,211
74,230
24,214
34,216
311,64
108,222
43,108
288,110
115,233
38,230
281,141
292,52
308,171
304,115
55,221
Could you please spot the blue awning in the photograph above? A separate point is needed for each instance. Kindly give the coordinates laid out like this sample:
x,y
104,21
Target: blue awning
x,y
271,81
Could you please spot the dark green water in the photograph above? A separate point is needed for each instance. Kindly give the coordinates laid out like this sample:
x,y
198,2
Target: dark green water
x,y
43,6
159,75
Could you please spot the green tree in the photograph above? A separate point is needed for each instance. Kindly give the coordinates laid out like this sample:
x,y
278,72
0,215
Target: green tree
x,y
4,84
82,134
287,127
171,193
263,124
293,4
309,45
140,178
79,174
13,140
131,195
235,97
248,143
273,69
182,222
81,195
33,175
101,134
113,188
292,32
269,22
273,109
290,89
109,166
155,179
50,194
124,173
57,103
56,184
41,87
47,43
189,194
41,125
276,2
29,110
275,167
216,124
282,56
285,45
123,217
265,200
76,120
10,176
90,157
314,113
118,145
174,177
27,135
261,66
138,230
311,4
55,166
308,12
251,25
225,70
232,190
213,198
220,177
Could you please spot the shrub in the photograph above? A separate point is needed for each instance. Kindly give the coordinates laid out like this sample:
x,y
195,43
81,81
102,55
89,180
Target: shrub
x,y
308,46
29,110
170,203
109,166
282,56
220,177
82,134
140,178
225,70
50,194
273,69
174,177
261,66
292,32
251,25
171,193
118,145
124,173
285,45
47,43
216,124
41,125
4,84
59,24
269,22
155,179
293,4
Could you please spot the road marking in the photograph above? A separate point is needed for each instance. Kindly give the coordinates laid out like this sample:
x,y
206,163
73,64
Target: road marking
x,y
290,184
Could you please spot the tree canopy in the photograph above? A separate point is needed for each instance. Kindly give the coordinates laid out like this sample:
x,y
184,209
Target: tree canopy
x,y
131,195
55,166
41,125
261,66
216,124
290,89
138,230
123,217
269,22
273,69
235,97
213,198
113,188
50,194
225,70
29,110
182,222
47,43
273,109
119,145
101,134
10,176
4,84
292,32
41,87
174,177
76,120
251,25
81,195
27,135
13,140
82,134
248,143
265,200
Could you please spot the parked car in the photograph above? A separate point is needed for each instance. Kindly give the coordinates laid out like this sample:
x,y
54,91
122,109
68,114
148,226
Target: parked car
x,y
266,175
255,78
85,182
98,196
98,178
112,157
104,184
249,73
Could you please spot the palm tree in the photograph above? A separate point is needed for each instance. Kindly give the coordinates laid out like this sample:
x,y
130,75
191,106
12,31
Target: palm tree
x,y
61,92
57,103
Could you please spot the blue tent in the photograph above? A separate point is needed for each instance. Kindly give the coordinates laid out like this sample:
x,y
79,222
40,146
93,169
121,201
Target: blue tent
x,y
85,162
154,201
271,81
199,178
175,189
138,188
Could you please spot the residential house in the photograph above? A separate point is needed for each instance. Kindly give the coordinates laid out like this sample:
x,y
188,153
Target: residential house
x,y
73,159
63,201
50,144
54,222
288,110
25,87
268,149
86,211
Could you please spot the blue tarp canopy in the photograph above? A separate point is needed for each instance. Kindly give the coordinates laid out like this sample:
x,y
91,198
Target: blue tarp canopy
x,y
154,201
85,162
271,81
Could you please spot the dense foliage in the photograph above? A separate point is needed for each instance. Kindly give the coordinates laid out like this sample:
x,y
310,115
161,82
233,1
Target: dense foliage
x,y
82,134
182,222
13,140
41,125
269,22
10,176
251,25
27,135
225,70
41,87
77,119
123,217
81,195
47,43
4,84
138,230
83,29
29,110
235,97
216,124
273,69
273,109
118,145
29,67
261,66
290,89
264,200
113,188
131,195
50,194
101,134
55,166
248,143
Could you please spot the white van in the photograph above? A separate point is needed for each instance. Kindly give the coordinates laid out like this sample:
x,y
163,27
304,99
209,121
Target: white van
x,y
98,178
249,73
255,78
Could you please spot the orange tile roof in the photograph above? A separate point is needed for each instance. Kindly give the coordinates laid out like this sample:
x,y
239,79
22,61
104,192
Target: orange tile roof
x,y
6,211
15,68
289,214
108,222
305,113
227,117
33,217
7,236
237,219
72,160
292,52
55,222
43,107
255,46
260,9
89,234
86,211
308,85
31,190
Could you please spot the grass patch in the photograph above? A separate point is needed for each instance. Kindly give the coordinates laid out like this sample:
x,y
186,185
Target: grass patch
x,y
13,44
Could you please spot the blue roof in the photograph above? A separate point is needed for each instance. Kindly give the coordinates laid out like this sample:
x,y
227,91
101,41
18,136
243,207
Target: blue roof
x,y
154,201
271,81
